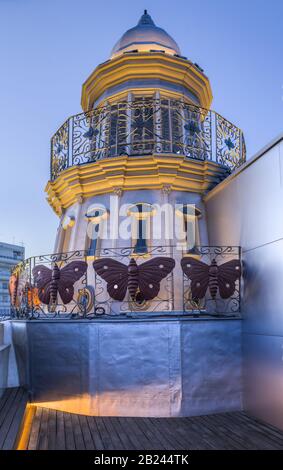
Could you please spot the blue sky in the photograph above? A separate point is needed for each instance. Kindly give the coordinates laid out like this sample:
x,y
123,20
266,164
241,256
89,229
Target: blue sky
x,y
48,48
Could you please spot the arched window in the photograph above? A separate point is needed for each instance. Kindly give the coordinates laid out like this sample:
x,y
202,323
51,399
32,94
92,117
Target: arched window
x,y
141,214
95,216
189,215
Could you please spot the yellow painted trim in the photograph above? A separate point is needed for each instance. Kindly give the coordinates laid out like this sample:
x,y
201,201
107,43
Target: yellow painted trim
x,y
90,258
68,222
191,255
147,66
142,215
24,432
130,174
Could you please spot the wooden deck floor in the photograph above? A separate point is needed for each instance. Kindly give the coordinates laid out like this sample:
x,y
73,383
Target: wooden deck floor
x,y
57,430
12,408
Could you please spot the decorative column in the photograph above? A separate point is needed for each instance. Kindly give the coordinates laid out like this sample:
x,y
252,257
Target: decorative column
x,y
114,216
168,241
169,217
77,216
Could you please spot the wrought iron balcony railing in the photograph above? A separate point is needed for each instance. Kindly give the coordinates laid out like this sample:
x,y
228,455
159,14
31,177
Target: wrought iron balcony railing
x,y
5,313
145,126
76,285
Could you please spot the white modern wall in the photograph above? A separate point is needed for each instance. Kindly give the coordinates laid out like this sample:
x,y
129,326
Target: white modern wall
x,y
247,210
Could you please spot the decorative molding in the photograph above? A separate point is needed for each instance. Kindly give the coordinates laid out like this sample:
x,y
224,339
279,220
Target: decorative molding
x,y
144,66
54,202
80,199
167,188
118,191
133,173
68,221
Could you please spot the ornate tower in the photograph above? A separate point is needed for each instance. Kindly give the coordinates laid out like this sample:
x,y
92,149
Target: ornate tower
x,y
146,138
128,176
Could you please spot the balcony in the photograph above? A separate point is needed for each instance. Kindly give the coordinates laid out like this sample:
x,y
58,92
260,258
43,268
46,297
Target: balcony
x,y
147,126
89,295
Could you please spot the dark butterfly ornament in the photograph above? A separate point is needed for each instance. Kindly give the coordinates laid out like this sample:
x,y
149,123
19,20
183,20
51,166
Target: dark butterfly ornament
x,y
142,281
215,277
51,281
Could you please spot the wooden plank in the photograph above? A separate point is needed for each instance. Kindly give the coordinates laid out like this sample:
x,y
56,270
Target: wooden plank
x,y
172,436
8,414
12,434
98,444
35,429
25,428
122,433
124,424
89,445
115,438
51,437
218,434
5,397
60,431
260,434
186,440
186,434
136,435
43,432
78,436
51,429
69,435
128,429
259,440
196,435
9,402
192,434
104,435
155,443
272,431
239,434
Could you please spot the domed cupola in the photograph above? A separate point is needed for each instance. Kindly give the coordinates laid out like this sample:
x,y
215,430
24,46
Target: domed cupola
x,y
146,61
146,37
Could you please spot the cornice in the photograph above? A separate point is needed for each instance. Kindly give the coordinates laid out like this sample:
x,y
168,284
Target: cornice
x,y
148,66
132,173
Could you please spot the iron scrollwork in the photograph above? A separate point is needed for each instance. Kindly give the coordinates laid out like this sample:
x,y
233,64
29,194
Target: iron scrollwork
x,y
144,126
230,146
40,298
88,294
212,302
135,300
60,150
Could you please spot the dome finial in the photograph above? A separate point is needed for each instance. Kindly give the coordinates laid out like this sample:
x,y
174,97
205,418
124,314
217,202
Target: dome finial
x,y
146,19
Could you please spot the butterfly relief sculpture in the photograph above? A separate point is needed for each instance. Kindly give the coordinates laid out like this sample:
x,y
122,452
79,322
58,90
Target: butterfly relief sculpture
x,y
143,279
216,277
50,282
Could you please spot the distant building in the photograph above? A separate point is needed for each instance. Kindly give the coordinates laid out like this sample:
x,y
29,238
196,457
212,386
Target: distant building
x,y
10,255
